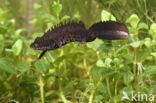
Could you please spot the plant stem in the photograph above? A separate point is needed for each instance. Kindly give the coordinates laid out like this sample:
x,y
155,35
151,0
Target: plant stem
x,y
134,65
116,89
108,87
42,88
63,97
61,92
91,96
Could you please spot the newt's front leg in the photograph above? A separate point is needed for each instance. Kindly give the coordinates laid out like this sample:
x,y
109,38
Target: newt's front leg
x,y
41,54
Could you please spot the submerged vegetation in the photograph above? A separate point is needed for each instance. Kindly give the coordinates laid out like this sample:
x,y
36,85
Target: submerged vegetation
x,y
101,71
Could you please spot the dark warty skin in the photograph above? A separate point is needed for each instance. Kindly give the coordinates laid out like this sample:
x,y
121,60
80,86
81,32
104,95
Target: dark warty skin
x,y
75,31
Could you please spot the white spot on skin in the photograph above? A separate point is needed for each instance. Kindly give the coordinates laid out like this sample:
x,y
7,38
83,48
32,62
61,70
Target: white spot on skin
x,y
117,32
113,35
122,33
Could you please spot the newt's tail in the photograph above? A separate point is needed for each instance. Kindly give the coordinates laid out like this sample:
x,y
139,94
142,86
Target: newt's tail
x,y
110,30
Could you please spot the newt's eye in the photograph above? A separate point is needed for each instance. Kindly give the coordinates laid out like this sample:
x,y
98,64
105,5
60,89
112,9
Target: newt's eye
x,y
36,45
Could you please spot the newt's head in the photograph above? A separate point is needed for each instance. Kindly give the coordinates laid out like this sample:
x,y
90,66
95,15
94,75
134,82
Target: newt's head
x,y
41,44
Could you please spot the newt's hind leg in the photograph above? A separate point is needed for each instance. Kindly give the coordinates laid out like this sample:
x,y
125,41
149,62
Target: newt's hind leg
x,y
80,43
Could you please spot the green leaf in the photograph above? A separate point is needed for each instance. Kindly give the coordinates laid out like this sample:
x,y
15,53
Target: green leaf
x,y
60,59
133,20
65,18
37,6
10,23
136,44
77,15
7,65
49,26
17,47
33,21
153,88
105,16
57,7
95,75
99,97
100,63
18,32
107,72
3,30
95,44
1,48
151,70
142,25
3,14
23,67
50,18
116,60
152,30
1,43
147,42
153,27
42,66
128,77
153,54
108,61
